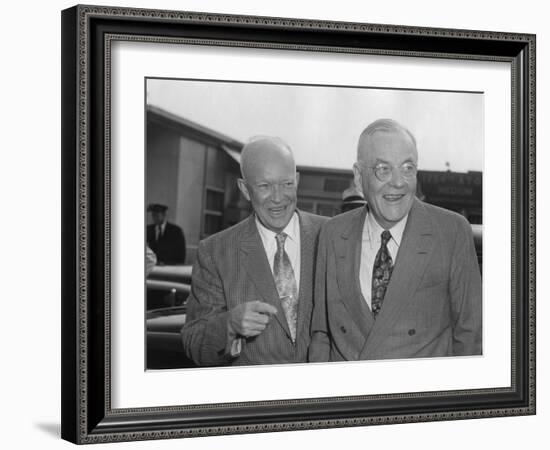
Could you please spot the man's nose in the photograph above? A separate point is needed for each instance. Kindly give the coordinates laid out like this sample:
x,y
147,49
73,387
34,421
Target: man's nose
x,y
276,192
397,179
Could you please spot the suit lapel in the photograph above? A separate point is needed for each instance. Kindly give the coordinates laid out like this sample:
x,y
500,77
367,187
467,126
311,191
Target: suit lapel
x,y
412,259
348,255
307,242
259,271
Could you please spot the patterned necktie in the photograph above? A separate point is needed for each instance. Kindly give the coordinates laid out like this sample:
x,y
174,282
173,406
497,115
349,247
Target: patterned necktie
x,y
381,273
286,284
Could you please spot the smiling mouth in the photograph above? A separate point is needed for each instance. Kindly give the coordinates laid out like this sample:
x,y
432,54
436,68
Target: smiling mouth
x,y
392,198
278,210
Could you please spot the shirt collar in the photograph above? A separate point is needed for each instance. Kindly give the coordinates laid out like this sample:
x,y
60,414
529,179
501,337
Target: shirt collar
x,y
375,230
292,229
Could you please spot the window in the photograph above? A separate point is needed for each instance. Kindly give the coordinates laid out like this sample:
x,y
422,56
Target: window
x,y
213,211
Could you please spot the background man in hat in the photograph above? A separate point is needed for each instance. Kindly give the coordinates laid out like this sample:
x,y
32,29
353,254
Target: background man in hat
x,y
351,199
164,238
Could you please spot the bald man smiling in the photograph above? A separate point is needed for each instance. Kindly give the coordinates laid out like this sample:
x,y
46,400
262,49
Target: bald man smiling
x,y
252,287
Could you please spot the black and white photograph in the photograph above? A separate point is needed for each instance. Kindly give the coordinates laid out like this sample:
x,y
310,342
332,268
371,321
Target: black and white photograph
x,y
300,223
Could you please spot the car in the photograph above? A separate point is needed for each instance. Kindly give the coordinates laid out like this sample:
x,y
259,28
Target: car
x,y
169,287
164,344
167,290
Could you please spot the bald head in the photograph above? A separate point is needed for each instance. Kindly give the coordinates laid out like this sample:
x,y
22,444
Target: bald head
x,y
379,129
269,181
263,151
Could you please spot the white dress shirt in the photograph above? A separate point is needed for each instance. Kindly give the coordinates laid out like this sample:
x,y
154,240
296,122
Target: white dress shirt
x,y
370,244
292,244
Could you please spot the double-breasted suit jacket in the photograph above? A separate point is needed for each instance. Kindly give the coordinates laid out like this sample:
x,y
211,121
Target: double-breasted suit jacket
x,y
432,306
232,268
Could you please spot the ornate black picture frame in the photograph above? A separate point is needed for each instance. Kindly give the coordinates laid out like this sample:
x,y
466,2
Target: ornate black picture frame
x,y
87,35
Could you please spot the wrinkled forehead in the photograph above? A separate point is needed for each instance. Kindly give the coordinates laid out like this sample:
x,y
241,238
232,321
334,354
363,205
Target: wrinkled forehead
x,y
273,171
394,147
267,159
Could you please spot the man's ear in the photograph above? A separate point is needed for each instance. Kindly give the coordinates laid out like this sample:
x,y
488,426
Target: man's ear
x,y
242,187
358,178
297,178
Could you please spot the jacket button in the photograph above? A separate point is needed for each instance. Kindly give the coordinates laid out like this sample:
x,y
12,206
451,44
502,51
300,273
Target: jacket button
x,y
412,332
343,329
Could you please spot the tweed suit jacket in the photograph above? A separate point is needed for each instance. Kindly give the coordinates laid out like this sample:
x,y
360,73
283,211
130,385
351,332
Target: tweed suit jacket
x,y
432,306
232,268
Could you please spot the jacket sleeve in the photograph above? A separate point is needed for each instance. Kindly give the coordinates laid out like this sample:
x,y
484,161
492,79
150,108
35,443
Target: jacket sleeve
x,y
205,335
319,348
465,292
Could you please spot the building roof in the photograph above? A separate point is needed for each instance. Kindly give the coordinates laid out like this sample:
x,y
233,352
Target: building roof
x,y
159,115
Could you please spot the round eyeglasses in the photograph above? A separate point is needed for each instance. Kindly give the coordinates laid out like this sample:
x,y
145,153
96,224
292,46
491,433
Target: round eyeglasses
x,y
384,171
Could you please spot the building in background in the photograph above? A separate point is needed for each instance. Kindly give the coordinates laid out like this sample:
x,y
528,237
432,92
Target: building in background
x,y
458,191
320,189
194,170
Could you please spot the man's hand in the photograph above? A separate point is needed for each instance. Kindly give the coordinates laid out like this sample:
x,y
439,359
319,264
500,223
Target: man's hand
x,y
249,319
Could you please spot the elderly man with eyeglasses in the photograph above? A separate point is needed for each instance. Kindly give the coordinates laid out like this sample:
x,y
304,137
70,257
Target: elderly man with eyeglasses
x,y
398,278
